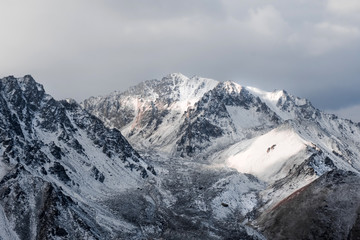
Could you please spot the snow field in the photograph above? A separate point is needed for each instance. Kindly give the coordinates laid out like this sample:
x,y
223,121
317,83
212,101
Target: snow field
x,y
264,156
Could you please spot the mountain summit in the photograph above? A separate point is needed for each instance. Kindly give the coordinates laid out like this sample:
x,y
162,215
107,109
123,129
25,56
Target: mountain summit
x,y
281,140
186,116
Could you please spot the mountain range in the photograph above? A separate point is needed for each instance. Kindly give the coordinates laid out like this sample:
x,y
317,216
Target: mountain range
x,y
176,158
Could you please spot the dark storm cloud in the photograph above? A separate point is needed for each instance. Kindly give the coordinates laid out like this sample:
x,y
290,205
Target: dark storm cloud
x,y
83,48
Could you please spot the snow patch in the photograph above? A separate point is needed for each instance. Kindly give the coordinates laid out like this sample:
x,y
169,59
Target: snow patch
x,y
264,156
238,195
243,118
271,99
6,228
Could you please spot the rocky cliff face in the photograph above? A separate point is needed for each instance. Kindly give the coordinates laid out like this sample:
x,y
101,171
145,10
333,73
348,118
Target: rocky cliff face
x,y
328,208
57,163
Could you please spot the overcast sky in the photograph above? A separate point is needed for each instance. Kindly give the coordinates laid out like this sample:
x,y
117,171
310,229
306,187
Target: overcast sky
x,y
83,48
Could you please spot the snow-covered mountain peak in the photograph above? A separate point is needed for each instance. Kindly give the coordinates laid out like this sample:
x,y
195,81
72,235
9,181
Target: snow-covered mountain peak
x,y
191,91
285,105
173,87
178,75
24,83
188,89
26,109
54,151
28,83
187,116
70,100
271,97
232,87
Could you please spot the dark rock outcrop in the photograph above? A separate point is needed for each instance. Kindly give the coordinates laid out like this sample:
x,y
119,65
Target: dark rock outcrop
x,y
328,208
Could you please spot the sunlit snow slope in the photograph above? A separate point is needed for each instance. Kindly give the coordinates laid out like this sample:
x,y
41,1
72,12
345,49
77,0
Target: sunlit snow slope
x,y
264,156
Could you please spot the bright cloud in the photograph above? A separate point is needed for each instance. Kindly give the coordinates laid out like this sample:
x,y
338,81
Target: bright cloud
x,y
344,6
328,37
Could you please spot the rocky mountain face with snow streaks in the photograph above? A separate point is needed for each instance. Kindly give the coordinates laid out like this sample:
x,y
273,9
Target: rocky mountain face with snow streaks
x,y
176,158
281,140
57,163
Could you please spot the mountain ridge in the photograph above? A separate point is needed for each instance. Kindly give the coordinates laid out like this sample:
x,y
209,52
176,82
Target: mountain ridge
x,y
56,162
279,138
199,159
156,110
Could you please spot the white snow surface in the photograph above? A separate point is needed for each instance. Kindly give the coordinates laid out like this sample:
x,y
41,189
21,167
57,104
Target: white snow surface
x,y
3,168
271,99
185,92
6,228
190,90
239,191
264,156
245,118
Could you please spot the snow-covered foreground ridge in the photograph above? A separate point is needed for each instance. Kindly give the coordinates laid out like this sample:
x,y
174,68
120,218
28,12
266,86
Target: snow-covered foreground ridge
x,y
57,163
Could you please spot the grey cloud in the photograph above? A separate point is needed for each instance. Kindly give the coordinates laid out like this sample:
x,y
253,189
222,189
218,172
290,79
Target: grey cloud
x,y
352,112
83,48
164,9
